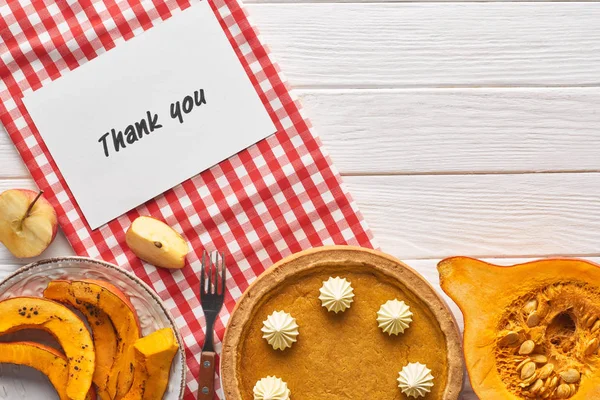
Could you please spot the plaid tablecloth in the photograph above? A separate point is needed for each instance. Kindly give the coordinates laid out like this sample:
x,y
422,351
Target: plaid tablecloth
x,y
279,196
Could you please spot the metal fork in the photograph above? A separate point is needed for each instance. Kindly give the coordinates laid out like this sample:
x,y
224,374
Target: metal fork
x,y
212,294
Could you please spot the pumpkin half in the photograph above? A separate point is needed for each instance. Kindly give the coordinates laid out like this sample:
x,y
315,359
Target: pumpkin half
x,y
33,313
45,359
153,357
116,305
103,332
532,331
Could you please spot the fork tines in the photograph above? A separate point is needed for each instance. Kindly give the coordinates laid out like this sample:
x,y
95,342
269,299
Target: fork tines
x,y
213,276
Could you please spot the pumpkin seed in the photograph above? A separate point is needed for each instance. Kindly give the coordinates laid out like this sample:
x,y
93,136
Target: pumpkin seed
x,y
522,364
596,326
590,321
537,386
527,347
530,306
570,376
539,358
543,309
527,382
546,370
528,371
551,383
563,391
573,388
537,334
533,319
591,347
508,338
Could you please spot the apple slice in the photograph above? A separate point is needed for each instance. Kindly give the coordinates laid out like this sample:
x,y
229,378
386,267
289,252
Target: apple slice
x,y
47,360
28,222
157,243
20,313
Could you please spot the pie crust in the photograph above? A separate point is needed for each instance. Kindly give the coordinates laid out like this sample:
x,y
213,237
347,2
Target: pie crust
x,y
346,355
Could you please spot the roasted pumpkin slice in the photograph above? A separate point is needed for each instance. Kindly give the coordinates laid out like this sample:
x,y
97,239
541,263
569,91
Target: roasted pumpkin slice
x,y
45,359
116,305
71,333
153,357
103,332
532,330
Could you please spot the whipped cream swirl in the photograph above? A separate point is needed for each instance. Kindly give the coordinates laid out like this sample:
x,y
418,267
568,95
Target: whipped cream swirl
x,y
415,380
271,388
394,317
336,294
280,329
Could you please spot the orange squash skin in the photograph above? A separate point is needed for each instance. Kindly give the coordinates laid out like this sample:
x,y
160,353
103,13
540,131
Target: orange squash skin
x,y
71,333
47,360
123,316
538,313
103,332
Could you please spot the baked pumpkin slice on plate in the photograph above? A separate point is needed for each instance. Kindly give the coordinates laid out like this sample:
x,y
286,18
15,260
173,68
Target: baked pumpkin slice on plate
x,y
47,360
116,305
103,332
69,330
153,358
532,331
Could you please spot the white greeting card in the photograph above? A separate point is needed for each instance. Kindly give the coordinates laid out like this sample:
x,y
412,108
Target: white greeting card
x,y
149,114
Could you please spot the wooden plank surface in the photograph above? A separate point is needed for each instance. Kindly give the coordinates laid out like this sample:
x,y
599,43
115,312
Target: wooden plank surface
x,y
423,216
443,44
458,130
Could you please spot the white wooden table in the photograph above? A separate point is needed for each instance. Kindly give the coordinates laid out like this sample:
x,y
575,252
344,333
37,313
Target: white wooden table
x,y
461,128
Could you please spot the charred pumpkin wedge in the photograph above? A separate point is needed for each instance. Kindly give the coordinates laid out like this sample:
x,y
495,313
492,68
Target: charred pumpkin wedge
x,y
112,301
45,359
153,357
103,332
71,333
532,331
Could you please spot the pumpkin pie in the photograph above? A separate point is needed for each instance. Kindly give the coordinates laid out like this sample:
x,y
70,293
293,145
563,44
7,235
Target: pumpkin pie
x,y
345,355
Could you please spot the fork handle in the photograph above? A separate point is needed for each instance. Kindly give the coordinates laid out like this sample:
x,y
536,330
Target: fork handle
x,y
206,378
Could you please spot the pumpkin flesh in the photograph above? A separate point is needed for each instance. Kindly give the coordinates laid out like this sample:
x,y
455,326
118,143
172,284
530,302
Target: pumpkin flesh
x,y
123,316
45,359
153,356
71,333
103,332
531,330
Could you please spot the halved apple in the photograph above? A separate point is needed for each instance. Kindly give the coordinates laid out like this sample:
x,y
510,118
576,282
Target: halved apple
x,y
47,360
123,316
28,222
71,333
103,332
153,358
157,243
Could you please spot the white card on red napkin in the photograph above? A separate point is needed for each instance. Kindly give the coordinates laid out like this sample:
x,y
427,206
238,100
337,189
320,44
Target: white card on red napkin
x,y
149,114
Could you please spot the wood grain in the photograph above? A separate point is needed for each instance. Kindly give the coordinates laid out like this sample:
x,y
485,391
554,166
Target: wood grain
x,y
11,165
423,44
458,130
482,215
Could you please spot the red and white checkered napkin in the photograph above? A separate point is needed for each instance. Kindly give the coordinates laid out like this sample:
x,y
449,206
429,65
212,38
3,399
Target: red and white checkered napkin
x,y
279,196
